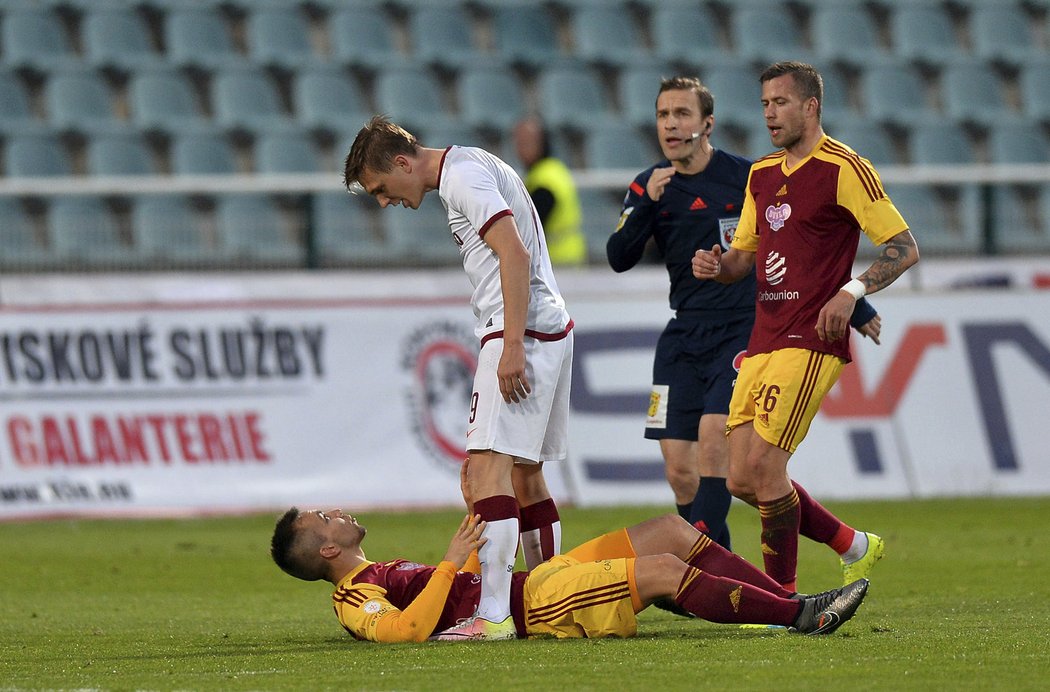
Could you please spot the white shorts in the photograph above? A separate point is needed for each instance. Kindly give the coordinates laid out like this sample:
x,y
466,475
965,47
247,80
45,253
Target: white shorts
x,y
535,429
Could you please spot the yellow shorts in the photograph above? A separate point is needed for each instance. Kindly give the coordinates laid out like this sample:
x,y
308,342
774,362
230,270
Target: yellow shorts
x,y
566,598
781,393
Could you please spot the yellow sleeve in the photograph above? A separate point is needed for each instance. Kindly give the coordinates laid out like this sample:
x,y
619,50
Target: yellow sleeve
x,y
878,218
746,236
366,613
473,564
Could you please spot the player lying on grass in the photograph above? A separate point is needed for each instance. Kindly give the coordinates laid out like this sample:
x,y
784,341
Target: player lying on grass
x,y
593,591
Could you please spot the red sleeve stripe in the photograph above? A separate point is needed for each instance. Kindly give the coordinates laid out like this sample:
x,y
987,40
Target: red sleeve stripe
x,y
866,175
637,189
488,224
540,336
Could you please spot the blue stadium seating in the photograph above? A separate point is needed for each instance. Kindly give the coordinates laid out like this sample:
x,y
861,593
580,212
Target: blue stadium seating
x,y
574,97
167,231
126,153
37,156
118,39
84,232
80,100
16,111
490,98
205,152
34,39
279,36
525,35
606,34
164,100
251,231
329,100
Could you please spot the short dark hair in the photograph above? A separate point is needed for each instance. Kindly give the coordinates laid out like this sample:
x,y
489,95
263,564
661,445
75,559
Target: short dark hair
x,y
294,551
808,81
374,148
707,99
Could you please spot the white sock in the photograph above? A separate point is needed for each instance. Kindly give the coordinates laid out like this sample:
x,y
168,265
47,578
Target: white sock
x,y
857,548
497,558
532,544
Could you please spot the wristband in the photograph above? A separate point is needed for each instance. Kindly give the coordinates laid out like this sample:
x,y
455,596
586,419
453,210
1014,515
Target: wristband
x,y
856,288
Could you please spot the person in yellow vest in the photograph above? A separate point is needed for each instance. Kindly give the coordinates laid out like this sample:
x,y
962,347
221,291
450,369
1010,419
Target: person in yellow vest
x,y
553,192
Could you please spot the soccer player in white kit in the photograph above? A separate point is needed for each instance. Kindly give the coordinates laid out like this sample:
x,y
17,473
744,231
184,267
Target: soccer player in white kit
x,y
519,407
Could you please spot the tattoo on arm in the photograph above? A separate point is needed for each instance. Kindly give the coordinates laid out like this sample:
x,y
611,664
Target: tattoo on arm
x,y
899,253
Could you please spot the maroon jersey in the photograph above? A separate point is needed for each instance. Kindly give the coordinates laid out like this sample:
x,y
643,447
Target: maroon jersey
x,y
803,225
358,602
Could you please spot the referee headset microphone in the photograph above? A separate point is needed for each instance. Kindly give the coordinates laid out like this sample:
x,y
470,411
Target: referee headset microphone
x,y
694,135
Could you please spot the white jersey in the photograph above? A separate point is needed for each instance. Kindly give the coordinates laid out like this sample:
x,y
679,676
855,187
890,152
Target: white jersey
x,y
477,189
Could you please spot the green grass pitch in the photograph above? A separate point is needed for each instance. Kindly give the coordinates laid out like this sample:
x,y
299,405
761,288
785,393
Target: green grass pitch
x,y
961,601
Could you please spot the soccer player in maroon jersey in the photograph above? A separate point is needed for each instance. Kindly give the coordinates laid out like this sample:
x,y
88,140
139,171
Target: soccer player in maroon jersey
x,y
804,209
593,591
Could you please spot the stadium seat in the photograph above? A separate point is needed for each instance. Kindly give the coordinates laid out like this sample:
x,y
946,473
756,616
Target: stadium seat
x,y
1002,33
279,36
638,89
686,34
19,247
1034,86
443,36
973,93
1018,142
202,153
363,38
925,34
762,34
345,231
738,96
490,98
845,35
80,100
118,39
37,156
573,97
896,94
756,142
940,144
126,153
328,99
286,152
410,96
525,35
84,232
934,220
167,232
16,110
199,37
601,212
1016,220
867,139
250,229
619,147
607,34
419,236
247,100
164,100
838,104
34,39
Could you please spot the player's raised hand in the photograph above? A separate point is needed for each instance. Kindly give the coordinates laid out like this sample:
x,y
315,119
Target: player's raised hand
x,y
466,540
707,264
657,182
